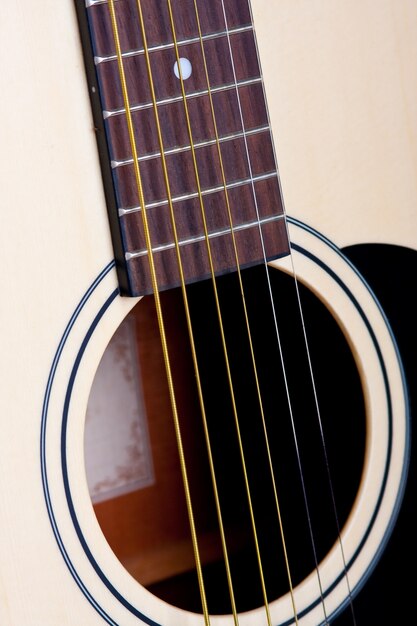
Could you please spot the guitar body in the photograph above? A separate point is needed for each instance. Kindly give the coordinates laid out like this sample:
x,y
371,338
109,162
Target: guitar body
x,y
341,87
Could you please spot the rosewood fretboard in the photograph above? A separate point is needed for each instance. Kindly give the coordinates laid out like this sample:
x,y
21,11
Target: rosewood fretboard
x,y
236,89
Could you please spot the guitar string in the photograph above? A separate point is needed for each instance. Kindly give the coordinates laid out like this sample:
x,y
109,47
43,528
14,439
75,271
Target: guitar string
x,y
159,312
245,311
324,447
282,360
317,407
188,315
219,314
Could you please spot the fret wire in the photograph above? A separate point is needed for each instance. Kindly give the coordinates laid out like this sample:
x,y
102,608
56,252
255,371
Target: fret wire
x,y
91,3
193,94
211,235
249,333
199,144
168,46
204,192
158,306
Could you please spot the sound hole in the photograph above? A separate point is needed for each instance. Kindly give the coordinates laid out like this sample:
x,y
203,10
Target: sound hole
x,y
148,529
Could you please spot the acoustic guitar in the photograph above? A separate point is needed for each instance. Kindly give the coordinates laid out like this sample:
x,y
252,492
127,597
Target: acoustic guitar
x,y
242,182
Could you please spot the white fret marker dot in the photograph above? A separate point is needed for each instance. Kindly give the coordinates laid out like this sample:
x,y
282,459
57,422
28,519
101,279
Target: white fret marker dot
x,y
186,68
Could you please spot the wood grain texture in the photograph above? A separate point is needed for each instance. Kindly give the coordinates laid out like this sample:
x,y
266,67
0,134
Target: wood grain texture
x,y
188,214
195,259
173,121
158,29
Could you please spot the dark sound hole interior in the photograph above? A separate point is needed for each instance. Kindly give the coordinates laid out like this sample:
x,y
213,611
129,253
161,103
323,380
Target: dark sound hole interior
x,y
341,408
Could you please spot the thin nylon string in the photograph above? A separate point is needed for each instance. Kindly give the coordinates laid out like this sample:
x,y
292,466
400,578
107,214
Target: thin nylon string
x,y
159,313
242,291
301,473
188,316
223,339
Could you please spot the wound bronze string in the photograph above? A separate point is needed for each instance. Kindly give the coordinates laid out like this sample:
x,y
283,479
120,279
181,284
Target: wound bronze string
x,y
159,312
187,313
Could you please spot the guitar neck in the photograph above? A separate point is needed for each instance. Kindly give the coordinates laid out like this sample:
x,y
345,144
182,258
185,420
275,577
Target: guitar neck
x,y
194,149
